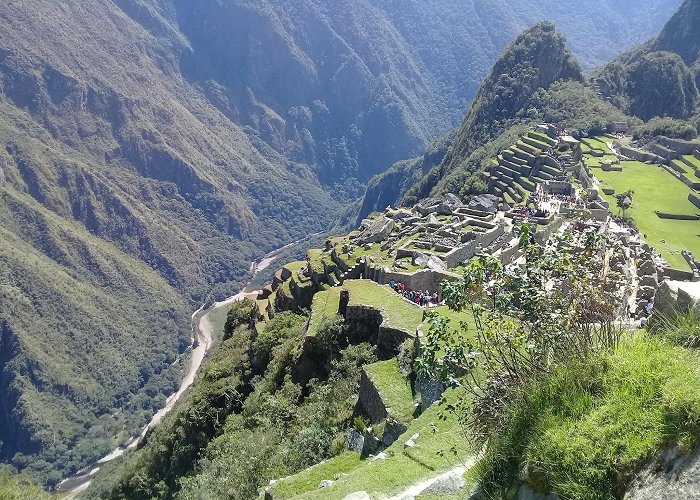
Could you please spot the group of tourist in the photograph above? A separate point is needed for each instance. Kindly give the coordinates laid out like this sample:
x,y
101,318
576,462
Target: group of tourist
x,y
521,211
423,299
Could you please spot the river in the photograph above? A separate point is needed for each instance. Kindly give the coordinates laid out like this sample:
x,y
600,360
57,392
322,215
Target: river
x,y
72,486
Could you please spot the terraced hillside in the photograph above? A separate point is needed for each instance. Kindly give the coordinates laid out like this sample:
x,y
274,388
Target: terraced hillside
x,y
532,160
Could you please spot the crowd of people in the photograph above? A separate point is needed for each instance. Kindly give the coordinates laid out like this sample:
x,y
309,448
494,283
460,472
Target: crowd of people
x,y
416,296
522,211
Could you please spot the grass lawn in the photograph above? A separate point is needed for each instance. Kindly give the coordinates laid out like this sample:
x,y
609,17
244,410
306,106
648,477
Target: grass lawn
x,y
656,189
309,479
694,161
441,446
398,312
394,388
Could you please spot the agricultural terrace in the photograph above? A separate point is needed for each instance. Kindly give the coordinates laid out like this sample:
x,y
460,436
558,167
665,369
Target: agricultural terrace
x,y
442,444
656,189
397,312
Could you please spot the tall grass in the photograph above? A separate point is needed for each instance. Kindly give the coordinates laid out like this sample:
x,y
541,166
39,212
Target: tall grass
x,y
585,429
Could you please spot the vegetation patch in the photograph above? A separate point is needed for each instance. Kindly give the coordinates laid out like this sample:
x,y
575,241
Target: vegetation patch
x,y
585,429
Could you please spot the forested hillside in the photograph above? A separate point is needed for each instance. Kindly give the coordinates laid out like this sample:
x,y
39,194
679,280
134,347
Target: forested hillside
x,y
536,78
152,148
662,76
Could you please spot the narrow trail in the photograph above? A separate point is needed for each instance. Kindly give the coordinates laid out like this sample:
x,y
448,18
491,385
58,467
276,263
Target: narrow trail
x,y
72,486
418,488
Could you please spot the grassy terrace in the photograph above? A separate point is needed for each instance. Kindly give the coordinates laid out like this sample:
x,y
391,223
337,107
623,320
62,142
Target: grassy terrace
x,y
593,161
694,161
394,388
678,164
324,305
398,313
441,445
656,189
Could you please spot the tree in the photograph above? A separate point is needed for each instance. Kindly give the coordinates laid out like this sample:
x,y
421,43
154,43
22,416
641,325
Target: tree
x,y
557,306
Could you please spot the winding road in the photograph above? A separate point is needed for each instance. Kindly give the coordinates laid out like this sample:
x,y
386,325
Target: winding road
x,y
72,486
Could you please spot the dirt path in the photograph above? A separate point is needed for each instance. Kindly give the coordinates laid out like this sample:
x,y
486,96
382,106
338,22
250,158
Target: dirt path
x,y
419,488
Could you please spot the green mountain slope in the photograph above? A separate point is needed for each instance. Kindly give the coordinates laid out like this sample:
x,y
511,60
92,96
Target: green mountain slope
x,y
535,79
660,77
150,149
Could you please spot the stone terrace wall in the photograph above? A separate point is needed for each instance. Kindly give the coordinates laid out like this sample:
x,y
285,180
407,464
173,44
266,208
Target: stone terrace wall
x,y
461,253
542,236
363,323
694,199
677,274
430,391
635,154
679,145
510,255
664,215
370,401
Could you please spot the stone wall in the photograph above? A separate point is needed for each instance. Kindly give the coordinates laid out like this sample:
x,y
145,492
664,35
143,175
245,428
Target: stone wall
x,y
673,476
677,274
675,297
510,255
678,145
664,215
638,155
393,429
430,391
339,262
369,400
544,234
694,199
663,151
461,253
363,323
389,341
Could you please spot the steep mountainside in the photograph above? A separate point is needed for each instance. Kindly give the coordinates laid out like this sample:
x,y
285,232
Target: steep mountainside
x,y
525,85
150,149
126,197
660,77
356,86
